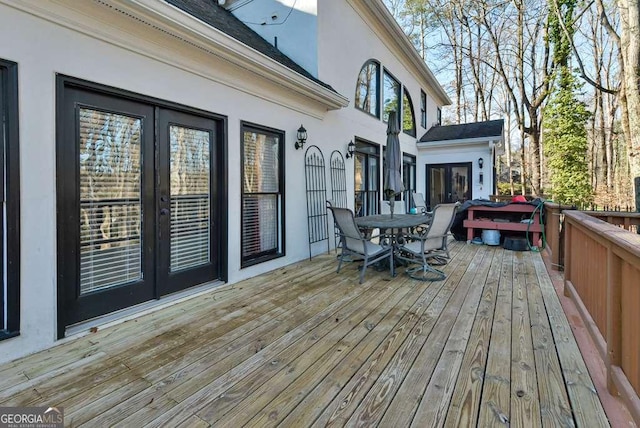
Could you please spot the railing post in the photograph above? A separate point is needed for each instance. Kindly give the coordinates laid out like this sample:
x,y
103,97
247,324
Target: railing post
x,y
637,185
552,232
614,317
567,254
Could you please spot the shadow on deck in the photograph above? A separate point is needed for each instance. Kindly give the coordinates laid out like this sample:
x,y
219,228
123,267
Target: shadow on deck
x,y
302,345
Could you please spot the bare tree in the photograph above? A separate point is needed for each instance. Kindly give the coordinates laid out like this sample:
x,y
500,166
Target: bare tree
x,y
627,41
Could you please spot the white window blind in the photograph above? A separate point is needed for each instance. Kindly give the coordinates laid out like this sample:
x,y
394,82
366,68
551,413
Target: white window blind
x,y
190,223
261,210
110,200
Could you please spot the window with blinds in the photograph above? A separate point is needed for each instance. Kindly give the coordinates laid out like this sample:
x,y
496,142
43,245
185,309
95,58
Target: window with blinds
x,y
262,195
190,224
10,202
110,200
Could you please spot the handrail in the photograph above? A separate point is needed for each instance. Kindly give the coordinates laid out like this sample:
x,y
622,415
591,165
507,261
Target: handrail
x,y
554,231
602,267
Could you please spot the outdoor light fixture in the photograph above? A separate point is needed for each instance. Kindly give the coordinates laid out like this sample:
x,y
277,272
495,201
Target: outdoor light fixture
x,y
351,148
302,137
480,162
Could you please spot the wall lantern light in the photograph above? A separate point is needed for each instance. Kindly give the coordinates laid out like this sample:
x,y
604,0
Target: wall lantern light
x,y
351,148
302,137
480,162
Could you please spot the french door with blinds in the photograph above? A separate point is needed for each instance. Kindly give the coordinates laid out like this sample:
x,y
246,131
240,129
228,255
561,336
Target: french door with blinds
x,y
138,202
447,183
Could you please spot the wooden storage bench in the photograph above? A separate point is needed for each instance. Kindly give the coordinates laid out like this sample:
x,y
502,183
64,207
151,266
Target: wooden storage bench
x,y
472,223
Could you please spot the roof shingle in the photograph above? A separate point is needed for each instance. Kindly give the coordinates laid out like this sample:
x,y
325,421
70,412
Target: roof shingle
x,y
209,12
491,128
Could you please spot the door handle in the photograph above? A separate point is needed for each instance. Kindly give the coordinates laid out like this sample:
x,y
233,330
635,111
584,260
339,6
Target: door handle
x,y
164,211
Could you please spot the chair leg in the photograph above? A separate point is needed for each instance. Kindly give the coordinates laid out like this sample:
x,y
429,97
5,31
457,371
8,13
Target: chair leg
x,y
364,268
341,258
426,272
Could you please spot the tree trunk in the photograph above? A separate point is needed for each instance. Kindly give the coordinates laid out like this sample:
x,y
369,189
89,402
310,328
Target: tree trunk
x,y
630,46
523,164
507,147
534,147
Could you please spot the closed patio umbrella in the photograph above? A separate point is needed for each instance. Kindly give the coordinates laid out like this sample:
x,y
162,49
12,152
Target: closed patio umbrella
x,y
393,162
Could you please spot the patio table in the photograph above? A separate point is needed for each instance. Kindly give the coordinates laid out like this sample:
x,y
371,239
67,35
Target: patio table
x,y
392,223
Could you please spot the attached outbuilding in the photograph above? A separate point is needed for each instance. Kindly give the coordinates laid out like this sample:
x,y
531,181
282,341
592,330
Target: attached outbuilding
x,y
458,162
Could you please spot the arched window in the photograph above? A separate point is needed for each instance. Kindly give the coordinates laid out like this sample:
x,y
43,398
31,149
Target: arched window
x,y
367,88
408,118
390,95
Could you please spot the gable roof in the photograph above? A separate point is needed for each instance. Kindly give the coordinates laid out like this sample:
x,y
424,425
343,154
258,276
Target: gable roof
x,y
491,128
209,12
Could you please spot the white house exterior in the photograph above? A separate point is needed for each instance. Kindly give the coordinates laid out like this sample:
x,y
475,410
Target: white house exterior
x,y
135,121
457,162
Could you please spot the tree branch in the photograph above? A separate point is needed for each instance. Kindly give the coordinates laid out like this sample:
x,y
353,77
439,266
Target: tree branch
x,y
576,53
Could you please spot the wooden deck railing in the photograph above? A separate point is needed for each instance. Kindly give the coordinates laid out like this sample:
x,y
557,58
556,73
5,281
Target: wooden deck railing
x,y
602,275
554,231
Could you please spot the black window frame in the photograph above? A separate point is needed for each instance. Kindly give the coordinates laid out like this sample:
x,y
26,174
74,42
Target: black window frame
x,y
439,116
377,84
67,233
10,186
412,131
409,180
398,110
281,252
368,199
423,109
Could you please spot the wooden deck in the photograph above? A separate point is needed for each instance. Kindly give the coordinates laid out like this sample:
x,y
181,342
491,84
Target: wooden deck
x,y
304,346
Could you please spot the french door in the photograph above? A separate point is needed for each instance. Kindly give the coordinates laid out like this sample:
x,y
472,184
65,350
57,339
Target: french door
x,y
136,191
447,183
367,178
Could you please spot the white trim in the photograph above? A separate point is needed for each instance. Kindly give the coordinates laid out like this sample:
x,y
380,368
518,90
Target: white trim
x,y
458,142
172,21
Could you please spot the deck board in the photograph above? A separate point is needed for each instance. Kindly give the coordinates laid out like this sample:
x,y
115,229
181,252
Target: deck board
x,y
463,409
525,402
495,404
435,401
305,346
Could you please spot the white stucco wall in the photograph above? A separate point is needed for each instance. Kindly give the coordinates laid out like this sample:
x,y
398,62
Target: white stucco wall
x,y
293,22
347,41
105,47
